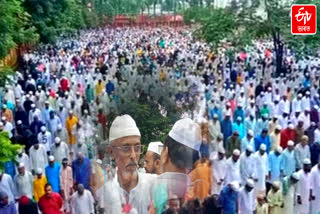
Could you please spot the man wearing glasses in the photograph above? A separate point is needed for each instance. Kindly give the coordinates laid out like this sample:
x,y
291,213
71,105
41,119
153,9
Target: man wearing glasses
x,y
128,186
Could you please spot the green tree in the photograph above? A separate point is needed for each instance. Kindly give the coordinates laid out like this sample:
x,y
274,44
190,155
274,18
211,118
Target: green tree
x,y
8,151
15,27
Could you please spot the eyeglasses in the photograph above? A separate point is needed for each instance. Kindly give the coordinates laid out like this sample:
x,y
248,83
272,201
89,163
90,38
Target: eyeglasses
x,y
127,149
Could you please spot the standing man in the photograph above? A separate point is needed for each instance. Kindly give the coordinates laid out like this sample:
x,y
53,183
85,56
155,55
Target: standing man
x,y
66,179
302,152
60,150
7,185
71,122
82,201
6,206
315,186
152,158
228,198
288,164
246,198
44,137
51,202
23,182
53,174
275,199
247,165
304,191
233,168
38,185
81,170
289,193
261,165
129,186
218,169
38,157
275,160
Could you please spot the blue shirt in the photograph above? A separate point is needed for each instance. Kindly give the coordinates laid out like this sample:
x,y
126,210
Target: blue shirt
x,y
226,129
82,172
275,166
216,111
228,200
8,209
262,140
240,129
239,112
10,168
288,163
53,176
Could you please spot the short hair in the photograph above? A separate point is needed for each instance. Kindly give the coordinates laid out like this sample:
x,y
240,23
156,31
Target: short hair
x,y
47,185
180,155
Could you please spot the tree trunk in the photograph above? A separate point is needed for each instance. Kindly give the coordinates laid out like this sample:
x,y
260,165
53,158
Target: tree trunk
x,y
154,7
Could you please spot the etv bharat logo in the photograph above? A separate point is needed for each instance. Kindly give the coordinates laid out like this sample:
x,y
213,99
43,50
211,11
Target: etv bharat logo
x,y
303,19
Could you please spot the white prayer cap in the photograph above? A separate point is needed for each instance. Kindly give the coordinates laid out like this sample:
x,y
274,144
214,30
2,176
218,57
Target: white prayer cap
x,y
228,114
33,105
290,143
51,158
250,132
1,124
123,126
215,116
316,107
276,184
279,149
57,140
21,165
39,171
291,126
78,93
250,183
99,161
46,102
299,95
235,186
221,150
59,126
155,147
4,118
66,93
269,88
278,127
186,132
238,118
252,101
240,104
30,92
236,152
250,148
296,176
19,122
263,147
70,112
39,86
61,105
306,161
27,96
308,93
43,128
4,106
228,104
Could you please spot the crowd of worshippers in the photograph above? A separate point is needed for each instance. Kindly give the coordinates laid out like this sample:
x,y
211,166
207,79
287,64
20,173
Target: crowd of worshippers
x,y
253,145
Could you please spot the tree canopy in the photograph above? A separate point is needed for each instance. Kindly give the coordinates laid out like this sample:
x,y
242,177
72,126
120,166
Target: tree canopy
x,y
8,151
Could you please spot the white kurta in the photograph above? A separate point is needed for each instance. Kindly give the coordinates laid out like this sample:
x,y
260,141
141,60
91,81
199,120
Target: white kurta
x,y
303,190
315,185
261,166
289,200
24,184
7,186
218,173
25,160
232,171
112,195
82,204
247,167
246,201
38,158
60,152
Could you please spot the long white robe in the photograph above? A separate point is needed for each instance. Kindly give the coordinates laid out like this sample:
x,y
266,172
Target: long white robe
x,y
261,167
315,185
232,171
247,167
82,204
60,152
24,184
218,173
38,158
246,201
303,190
25,160
289,199
7,186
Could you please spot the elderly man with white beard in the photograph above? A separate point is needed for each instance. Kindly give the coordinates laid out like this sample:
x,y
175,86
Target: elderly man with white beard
x,y
128,186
